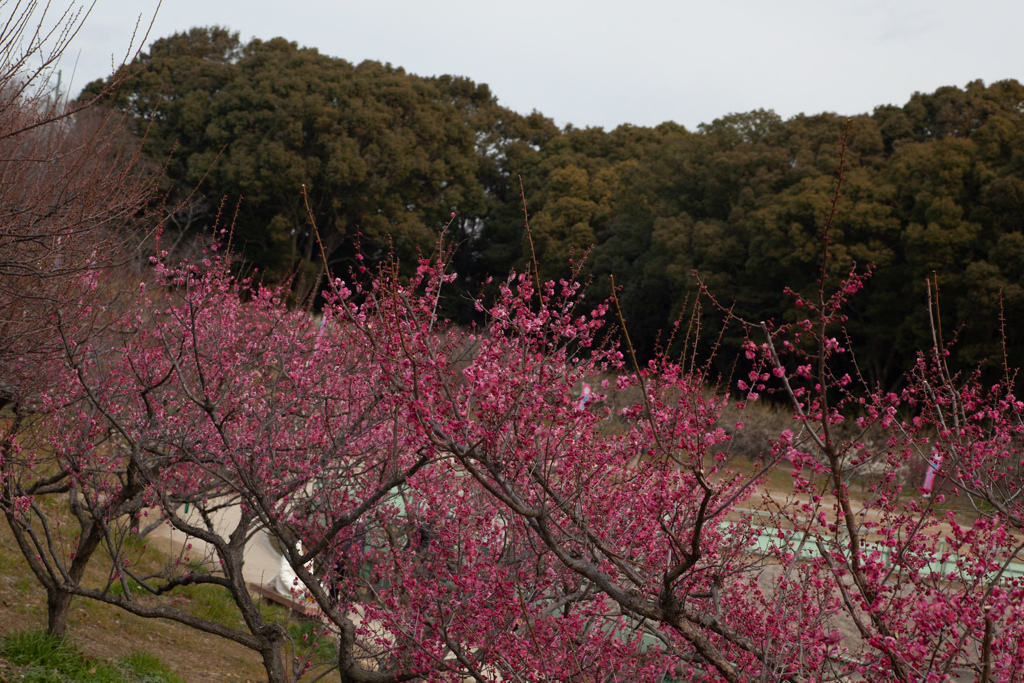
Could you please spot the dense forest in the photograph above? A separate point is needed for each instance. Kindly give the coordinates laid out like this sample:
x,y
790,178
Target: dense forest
x,y
934,190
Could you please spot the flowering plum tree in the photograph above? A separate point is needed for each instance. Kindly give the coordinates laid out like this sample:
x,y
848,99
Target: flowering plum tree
x,y
639,514
70,194
891,586
454,513
928,587
197,403
323,435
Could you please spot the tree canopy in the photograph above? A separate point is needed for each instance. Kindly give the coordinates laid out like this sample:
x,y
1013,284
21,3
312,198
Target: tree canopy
x,y
385,157
935,191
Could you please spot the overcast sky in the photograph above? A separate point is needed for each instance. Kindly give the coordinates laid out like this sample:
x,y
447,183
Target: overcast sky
x,y
598,63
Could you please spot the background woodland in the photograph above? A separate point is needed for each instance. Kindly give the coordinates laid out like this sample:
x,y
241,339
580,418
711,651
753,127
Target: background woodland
x,y
935,190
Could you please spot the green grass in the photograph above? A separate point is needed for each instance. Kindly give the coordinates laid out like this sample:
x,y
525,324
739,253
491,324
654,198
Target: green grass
x,y
206,601
213,603
304,635
146,667
136,589
48,659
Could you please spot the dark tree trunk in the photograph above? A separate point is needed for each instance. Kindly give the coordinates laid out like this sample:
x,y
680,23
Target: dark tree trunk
x,y
58,607
58,601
